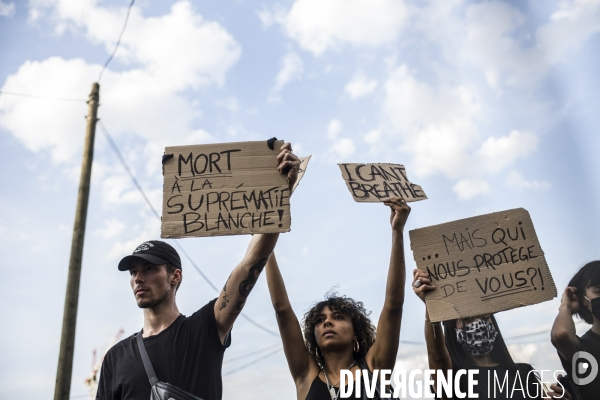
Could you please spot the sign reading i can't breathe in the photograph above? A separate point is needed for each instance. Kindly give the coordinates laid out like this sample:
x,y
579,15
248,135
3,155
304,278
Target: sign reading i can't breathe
x,y
482,265
224,189
379,182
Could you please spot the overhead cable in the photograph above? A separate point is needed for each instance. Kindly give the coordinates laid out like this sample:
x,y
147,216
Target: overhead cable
x,y
253,362
250,354
118,41
34,96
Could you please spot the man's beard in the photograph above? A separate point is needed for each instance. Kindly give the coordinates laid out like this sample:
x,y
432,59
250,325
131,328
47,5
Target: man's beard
x,y
151,303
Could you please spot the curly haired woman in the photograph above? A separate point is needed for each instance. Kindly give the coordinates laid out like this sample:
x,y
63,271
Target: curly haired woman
x,y
338,334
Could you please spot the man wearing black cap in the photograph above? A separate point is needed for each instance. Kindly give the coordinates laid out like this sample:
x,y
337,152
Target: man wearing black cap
x,y
186,352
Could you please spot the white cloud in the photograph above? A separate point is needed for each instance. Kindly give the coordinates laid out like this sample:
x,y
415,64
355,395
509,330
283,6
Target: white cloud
x,y
111,229
291,68
270,17
40,124
497,42
569,26
341,147
168,54
437,124
360,86
469,188
372,136
7,9
321,25
138,233
181,47
495,39
334,128
440,120
231,103
491,42
498,153
199,136
516,181
440,127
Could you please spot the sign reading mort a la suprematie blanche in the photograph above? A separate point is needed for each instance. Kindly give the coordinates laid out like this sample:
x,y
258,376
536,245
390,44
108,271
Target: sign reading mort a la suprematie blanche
x,y
224,189
380,182
482,265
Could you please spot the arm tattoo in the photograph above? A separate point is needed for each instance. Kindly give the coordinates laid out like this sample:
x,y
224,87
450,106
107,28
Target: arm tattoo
x,y
247,284
225,297
238,307
225,301
226,282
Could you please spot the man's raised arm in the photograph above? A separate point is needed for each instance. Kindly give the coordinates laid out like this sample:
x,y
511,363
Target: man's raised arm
x,y
244,276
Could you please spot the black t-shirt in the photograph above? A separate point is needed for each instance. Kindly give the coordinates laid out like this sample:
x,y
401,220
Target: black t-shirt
x,y
188,354
496,387
589,342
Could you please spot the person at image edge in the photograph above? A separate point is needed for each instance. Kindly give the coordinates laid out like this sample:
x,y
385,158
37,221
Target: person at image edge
x,y
582,298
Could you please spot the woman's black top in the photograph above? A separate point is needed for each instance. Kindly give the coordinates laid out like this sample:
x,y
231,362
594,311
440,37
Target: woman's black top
x,y
318,391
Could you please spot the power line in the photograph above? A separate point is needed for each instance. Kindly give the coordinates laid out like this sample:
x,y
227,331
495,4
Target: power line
x,y
250,354
115,148
534,333
118,41
527,334
253,362
33,96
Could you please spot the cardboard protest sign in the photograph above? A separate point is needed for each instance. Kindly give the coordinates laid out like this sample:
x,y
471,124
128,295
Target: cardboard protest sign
x,y
379,182
482,265
302,169
224,189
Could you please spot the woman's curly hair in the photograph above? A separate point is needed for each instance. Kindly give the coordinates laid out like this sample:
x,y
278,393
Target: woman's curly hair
x,y
363,328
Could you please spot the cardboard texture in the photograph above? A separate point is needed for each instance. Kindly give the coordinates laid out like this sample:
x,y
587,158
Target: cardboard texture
x,y
224,189
378,182
303,164
482,265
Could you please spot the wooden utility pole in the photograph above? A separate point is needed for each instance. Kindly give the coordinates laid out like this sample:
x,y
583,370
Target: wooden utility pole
x,y
67,339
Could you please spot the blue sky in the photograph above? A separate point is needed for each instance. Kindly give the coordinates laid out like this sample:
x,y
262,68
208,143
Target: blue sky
x,y
491,105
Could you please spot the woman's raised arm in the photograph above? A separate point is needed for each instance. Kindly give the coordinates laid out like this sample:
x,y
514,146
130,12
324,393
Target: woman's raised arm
x,y
300,361
383,353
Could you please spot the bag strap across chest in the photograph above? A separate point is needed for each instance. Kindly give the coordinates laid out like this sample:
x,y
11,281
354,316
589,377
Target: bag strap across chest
x,y
146,360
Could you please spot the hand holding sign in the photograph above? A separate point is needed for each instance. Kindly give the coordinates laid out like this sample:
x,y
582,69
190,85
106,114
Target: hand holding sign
x,y
288,163
421,284
399,213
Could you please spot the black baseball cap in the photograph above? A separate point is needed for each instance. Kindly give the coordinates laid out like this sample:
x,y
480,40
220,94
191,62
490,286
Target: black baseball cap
x,y
154,251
